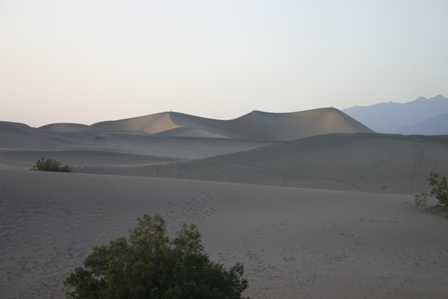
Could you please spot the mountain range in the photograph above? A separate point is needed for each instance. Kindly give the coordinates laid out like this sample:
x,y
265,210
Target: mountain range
x,y
426,116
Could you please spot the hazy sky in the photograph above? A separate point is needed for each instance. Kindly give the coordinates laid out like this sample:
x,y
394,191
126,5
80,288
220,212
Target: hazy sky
x,y
90,60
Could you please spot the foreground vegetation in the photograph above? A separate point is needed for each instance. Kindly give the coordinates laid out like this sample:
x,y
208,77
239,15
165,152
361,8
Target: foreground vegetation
x,y
438,189
148,264
50,165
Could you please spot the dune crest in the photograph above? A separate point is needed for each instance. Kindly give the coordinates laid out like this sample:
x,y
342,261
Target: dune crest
x,y
149,124
295,125
256,125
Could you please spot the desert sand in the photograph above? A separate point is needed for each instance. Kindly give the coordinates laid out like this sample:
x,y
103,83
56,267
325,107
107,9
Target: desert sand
x,y
295,243
313,203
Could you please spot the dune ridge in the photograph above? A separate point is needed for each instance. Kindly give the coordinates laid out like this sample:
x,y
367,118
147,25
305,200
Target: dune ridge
x,y
295,125
178,135
256,125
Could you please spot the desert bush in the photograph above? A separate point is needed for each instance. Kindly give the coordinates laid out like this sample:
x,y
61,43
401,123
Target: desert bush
x,y
421,200
50,165
438,187
148,264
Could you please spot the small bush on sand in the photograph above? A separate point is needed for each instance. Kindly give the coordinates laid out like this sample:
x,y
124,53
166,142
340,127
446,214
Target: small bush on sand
x,y
50,165
439,188
148,264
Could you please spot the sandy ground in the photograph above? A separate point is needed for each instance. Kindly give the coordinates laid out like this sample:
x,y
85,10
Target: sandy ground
x,y
295,243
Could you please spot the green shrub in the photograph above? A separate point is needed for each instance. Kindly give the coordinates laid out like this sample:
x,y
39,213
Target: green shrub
x,y
439,188
150,265
50,165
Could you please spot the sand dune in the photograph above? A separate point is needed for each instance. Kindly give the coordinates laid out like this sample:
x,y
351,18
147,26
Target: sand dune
x,y
364,162
65,127
17,135
154,123
176,135
169,123
289,126
295,243
256,125
63,137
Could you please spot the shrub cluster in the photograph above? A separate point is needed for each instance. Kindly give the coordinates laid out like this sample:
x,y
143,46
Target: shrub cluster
x,y
438,188
50,165
148,264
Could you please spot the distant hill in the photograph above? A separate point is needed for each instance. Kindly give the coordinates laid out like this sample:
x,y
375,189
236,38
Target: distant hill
x,y
256,125
401,117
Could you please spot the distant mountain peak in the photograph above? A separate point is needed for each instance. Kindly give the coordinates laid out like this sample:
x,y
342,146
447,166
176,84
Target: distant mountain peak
x,y
439,97
419,99
392,117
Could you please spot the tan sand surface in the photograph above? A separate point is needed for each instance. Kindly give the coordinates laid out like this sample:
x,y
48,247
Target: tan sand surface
x,y
295,243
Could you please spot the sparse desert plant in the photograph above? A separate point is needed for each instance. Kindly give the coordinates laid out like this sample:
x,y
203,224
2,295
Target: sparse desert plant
x,y
148,264
50,165
421,200
439,188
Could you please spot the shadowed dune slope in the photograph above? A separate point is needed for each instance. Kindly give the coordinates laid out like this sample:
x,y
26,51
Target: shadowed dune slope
x,y
78,160
65,128
294,243
365,162
171,147
16,135
76,137
256,125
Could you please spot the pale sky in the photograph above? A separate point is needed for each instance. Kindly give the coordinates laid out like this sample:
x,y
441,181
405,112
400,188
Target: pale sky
x,y
91,60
